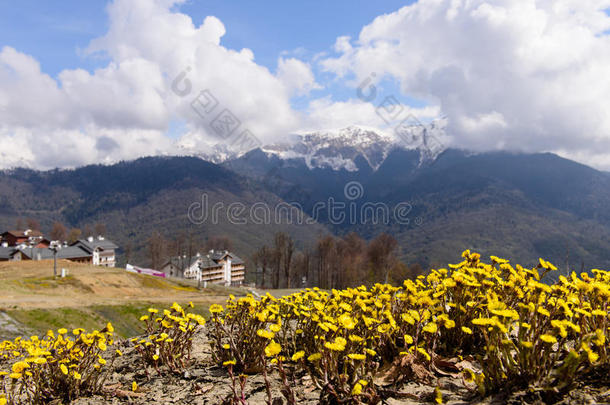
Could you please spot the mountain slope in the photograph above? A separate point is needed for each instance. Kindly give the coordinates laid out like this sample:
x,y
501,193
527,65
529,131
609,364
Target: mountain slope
x,y
136,198
522,206
518,205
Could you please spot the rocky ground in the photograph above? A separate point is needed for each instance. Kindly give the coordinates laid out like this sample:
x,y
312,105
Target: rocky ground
x,y
205,383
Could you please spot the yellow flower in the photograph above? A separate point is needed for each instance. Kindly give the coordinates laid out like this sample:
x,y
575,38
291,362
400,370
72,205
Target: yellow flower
x,y
77,376
347,321
20,366
298,355
338,345
438,396
109,327
144,318
272,349
600,338
229,363
371,352
265,334
467,330
155,357
548,338
430,328
215,308
64,369
357,389
119,352
134,386
62,331
424,352
15,376
528,345
314,357
356,356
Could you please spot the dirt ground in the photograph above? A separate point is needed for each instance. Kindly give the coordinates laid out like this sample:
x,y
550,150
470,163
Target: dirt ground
x,y
205,383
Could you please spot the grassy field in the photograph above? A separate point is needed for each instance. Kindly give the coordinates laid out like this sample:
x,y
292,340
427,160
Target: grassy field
x,y
33,301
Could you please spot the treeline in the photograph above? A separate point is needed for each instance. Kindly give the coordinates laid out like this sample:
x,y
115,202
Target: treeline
x,y
332,262
60,232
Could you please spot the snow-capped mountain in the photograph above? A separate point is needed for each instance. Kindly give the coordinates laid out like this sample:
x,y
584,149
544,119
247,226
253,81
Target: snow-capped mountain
x,y
216,153
337,149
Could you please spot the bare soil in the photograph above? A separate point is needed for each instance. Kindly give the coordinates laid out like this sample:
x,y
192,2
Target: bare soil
x,y
205,383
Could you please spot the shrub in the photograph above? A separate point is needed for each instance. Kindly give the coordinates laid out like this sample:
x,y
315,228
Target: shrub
x,y
61,365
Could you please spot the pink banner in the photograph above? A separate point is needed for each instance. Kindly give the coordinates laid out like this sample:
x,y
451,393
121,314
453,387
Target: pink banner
x,y
140,270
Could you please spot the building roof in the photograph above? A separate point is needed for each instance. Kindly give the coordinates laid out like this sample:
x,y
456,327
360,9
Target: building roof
x,y
23,234
209,261
70,252
216,256
6,252
91,245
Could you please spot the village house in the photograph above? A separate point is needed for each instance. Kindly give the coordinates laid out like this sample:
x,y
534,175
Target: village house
x,y
100,250
218,267
27,237
31,245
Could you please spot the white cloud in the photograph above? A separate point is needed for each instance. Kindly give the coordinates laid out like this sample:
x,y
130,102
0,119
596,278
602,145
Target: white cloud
x,y
522,74
124,109
296,76
324,113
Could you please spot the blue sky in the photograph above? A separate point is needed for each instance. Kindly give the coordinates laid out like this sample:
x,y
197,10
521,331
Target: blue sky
x,y
55,32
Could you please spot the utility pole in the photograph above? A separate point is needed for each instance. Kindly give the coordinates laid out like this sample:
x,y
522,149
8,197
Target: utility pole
x,y
55,246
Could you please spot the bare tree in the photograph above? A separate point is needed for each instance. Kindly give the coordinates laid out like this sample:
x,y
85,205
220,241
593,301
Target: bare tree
x,y
100,229
74,235
33,224
284,247
302,267
87,231
262,259
59,232
351,252
19,223
192,246
220,243
324,252
177,249
128,252
156,249
381,253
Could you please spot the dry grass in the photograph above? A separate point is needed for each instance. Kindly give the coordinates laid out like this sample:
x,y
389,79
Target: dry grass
x,y
30,285
89,296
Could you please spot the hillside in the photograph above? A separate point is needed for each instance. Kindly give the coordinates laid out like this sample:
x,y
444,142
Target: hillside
x,y
516,205
32,301
134,199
